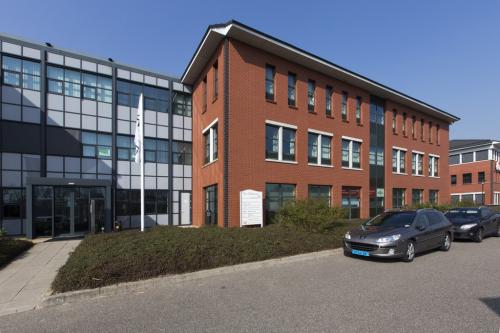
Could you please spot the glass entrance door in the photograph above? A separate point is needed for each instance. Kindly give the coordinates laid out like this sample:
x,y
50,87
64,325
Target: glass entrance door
x,y
64,211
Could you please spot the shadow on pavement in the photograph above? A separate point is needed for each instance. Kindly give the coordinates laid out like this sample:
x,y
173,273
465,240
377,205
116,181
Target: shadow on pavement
x,y
493,303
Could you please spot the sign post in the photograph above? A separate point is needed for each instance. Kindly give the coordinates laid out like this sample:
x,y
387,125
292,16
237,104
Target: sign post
x,y
251,208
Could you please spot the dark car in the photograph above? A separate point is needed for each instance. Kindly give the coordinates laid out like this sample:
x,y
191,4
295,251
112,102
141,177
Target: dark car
x,y
400,234
474,223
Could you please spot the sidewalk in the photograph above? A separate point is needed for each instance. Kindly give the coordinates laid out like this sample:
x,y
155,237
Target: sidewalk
x,y
26,280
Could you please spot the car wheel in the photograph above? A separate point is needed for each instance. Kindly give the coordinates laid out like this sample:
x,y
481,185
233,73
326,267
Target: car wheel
x,y
447,243
410,252
478,237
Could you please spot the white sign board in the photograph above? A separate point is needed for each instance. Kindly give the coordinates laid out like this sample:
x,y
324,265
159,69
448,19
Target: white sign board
x,y
251,208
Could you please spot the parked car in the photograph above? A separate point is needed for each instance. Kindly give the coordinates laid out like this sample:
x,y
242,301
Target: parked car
x,y
400,234
474,223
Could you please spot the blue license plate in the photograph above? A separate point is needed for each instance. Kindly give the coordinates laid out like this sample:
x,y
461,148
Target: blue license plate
x,y
360,253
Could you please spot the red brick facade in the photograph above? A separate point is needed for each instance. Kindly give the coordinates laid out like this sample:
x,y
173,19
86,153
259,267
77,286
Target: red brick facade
x,y
249,110
490,188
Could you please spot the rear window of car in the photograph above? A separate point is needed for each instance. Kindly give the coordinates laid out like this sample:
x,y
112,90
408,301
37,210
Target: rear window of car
x,y
463,213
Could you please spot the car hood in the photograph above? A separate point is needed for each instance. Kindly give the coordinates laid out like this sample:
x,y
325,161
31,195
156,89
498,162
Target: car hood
x,y
372,233
464,220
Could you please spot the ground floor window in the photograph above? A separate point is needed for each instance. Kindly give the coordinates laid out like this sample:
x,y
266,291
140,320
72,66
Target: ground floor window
x,y
417,196
211,205
13,204
351,201
479,199
398,197
276,196
321,192
433,196
455,199
128,202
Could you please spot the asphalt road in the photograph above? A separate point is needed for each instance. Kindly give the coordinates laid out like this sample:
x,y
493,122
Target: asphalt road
x,y
457,291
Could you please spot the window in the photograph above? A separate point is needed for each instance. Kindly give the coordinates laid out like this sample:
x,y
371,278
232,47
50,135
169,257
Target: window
x,y
344,105
481,177
422,123
454,159
155,99
270,74
211,141
438,141
398,198
394,121
358,110
404,123
482,155
204,88
292,89
319,148
433,196
216,79
280,143
413,125
125,148
155,150
79,84
182,104
479,199
467,178
21,73
417,164
277,195
453,179
467,157
96,145
13,203
128,202
455,199
433,166
181,152
328,100
351,154
211,203
320,192
417,196
430,132
398,161
311,91
351,201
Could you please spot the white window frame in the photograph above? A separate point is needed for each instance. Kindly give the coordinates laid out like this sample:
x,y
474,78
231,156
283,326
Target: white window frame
x,y
398,160
210,129
351,140
280,141
420,155
433,172
321,134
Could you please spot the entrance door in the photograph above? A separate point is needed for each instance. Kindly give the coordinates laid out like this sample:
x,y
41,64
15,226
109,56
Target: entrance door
x,y
211,205
185,208
64,211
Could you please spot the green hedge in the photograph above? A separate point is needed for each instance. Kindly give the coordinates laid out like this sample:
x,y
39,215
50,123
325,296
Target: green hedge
x,y
11,248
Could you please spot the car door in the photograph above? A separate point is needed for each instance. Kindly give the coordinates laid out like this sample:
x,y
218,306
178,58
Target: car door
x,y
423,233
437,229
489,220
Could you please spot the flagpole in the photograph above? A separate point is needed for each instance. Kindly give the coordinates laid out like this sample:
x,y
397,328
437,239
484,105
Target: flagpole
x,y
142,163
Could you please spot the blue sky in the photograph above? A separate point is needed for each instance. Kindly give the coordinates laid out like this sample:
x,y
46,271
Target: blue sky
x,y
446,53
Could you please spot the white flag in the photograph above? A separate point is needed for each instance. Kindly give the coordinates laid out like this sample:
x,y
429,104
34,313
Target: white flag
x,y
138,132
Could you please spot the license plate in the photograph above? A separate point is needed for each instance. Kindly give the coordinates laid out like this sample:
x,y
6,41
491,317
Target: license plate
x,y
360,253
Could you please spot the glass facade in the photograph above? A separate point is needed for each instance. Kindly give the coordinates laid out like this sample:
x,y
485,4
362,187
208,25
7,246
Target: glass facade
x,y
377,152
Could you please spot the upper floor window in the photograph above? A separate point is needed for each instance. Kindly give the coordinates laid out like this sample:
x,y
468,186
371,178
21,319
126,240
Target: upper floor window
x,y
422,122
292,89
344,105
328,100
319,148
453,179
437,135
413,125
181,152
21,73
125,148
433,166
351,153
204,92
270,74
358,110
398,160
216,79
211,143
467,178
417,164
155,99
405,119
280,142
394,121
482,155
96,145
155,150
481,177
454,159
467,157
182,104
430,132
311,91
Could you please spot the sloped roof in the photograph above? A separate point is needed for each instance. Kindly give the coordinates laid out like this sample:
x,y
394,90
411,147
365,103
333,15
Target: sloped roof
x,y
468,143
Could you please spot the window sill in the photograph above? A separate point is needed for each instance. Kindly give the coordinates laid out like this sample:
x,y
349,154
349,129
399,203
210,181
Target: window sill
x,y
272,101
281,161
345,121
354,169
400,173
293,107
210,163
437,177
320,165
330,116
417,175
359,124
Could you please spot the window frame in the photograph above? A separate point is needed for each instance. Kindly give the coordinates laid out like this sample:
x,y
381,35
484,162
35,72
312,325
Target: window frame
x,y
319,148
359,102
344,106
270,82
329,101
292,89
417,163
434,166
349,163
320,195
211,142
281,127
399,156
311,96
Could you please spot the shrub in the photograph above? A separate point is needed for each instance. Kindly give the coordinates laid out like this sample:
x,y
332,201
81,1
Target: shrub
x,y
3,232
11,248
311,215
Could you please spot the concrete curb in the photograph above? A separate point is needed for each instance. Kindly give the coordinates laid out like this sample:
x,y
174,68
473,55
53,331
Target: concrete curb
x,y
142,285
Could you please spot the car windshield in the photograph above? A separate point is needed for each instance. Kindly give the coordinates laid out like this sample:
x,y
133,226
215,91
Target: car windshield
x,y
392,219
463,213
